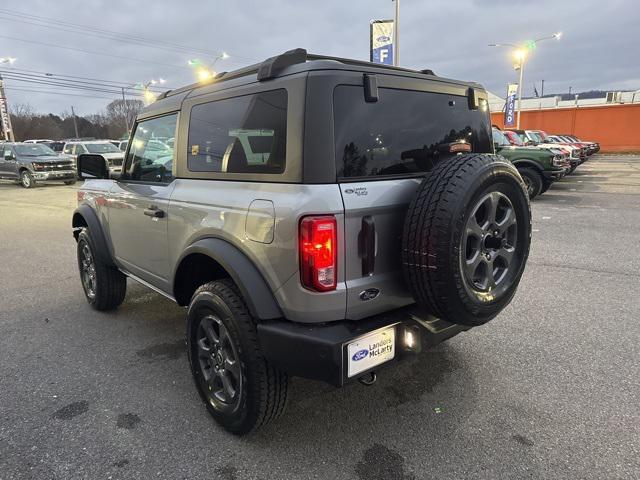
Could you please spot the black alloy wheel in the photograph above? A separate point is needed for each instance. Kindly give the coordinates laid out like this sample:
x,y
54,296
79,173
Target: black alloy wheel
x,y
488,245
219,363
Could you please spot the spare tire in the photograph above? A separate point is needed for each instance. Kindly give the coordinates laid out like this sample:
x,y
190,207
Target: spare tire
x,y
466,238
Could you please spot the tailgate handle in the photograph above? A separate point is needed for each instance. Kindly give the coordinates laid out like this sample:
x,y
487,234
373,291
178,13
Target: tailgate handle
x,y
367,245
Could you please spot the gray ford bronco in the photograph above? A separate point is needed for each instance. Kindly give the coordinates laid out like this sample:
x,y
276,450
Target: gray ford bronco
x,y
318,217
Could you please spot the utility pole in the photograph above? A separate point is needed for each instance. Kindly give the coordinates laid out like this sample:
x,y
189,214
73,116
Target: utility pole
x,y
396,35
125,111
75,124
542,89
5,116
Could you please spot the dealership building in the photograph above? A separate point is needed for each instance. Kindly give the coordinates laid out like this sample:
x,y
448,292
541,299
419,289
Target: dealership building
x,y
610,120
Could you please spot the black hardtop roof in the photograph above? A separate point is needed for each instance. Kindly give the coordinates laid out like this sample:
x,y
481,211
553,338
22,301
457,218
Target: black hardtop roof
x,y
297,61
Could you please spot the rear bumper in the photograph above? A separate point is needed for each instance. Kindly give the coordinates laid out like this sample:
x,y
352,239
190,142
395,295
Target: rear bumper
x,y
319,352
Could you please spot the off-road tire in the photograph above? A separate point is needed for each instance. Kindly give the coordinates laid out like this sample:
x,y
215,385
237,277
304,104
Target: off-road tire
x,y
434,230
263,391
546,184
532,180
70,182
110,285
26,179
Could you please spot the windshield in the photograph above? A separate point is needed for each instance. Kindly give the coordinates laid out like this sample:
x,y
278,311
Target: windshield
x,y
500,138
514,138
105,147
34,150
535,137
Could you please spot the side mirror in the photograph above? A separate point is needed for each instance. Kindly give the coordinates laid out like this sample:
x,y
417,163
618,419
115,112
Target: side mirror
x,y
496,146
92,167
8,155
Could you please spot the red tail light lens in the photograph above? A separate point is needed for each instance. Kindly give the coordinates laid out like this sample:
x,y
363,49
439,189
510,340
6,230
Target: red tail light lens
x,y
319,253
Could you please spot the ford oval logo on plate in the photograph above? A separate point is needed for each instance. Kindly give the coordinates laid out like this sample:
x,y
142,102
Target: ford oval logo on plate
x,y
369,294
359,355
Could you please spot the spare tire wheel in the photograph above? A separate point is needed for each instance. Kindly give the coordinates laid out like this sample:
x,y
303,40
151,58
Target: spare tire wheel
x,y
466,238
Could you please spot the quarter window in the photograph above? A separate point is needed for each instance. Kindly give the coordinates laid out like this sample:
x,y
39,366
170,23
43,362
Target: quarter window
x,y
245,134
150,157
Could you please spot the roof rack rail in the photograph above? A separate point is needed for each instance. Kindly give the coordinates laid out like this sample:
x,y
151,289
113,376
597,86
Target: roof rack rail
x,y
274,65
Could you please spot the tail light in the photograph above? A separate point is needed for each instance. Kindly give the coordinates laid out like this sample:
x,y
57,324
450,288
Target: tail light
x,y
319,253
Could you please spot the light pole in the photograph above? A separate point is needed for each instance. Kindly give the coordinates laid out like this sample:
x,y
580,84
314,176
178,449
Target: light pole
x,y
5,117
520,53
396,35
205,71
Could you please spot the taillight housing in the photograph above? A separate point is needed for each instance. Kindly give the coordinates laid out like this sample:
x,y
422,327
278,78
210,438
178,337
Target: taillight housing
x,y
319,253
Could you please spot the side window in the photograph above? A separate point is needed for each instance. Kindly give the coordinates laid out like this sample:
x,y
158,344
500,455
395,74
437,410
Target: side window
x,y
245,134
150,157
80,149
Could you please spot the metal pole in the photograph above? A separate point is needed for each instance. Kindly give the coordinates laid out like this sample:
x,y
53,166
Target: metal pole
x,y
520,94
396,35
8,133
125,110
542,90
75,124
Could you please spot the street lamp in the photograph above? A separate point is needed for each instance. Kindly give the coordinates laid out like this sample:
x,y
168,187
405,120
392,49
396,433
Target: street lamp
x,y
520,53
205,71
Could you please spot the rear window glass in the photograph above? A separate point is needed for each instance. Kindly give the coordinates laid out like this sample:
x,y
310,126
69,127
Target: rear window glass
x,y
404,132
245,134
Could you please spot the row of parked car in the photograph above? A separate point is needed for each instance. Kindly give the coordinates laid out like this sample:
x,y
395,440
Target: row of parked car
x,y
540,158
31,161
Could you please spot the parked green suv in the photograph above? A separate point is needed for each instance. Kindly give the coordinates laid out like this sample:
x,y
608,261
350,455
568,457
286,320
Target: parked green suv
x,y
539,167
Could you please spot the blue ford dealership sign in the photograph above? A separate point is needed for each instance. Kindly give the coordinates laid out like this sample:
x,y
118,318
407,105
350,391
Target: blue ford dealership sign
x,y
510,108
381,40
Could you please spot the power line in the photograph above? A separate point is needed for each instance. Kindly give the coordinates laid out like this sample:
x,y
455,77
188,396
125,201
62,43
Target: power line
x,y
42,81
46,22
47,44
51,92
71,83
115,83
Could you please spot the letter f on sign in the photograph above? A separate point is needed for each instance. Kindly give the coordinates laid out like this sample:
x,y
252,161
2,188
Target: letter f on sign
x,y
383,55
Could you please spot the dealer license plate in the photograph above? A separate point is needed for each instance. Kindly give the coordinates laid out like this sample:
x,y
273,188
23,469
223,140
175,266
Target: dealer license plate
x,y
371,350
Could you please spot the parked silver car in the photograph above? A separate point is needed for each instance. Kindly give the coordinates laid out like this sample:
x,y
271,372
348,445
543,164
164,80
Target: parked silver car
x,y
112,154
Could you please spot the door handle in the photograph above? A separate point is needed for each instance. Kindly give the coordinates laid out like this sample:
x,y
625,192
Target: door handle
x,y
154,211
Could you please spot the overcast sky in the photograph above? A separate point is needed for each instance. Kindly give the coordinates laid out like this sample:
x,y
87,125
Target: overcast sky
x,y
599,48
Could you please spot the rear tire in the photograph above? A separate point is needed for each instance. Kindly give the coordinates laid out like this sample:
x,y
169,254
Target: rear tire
x,y
104,286
532,180
26,179
466,238
241,391
546,184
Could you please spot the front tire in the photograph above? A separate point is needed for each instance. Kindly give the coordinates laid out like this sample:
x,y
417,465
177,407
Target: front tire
x,y
240,389
70,182
532,180
104,286
26,179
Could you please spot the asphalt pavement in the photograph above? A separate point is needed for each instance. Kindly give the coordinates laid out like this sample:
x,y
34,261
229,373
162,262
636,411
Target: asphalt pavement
x,y
549,389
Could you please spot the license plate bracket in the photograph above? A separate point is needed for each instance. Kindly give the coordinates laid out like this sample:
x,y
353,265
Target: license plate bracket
x,y
371,350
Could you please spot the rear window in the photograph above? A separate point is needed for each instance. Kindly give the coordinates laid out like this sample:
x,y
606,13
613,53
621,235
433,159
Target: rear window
x,y
245,134
405,132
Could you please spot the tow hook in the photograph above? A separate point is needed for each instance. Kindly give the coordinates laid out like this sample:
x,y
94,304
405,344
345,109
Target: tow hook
x,y
368,379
